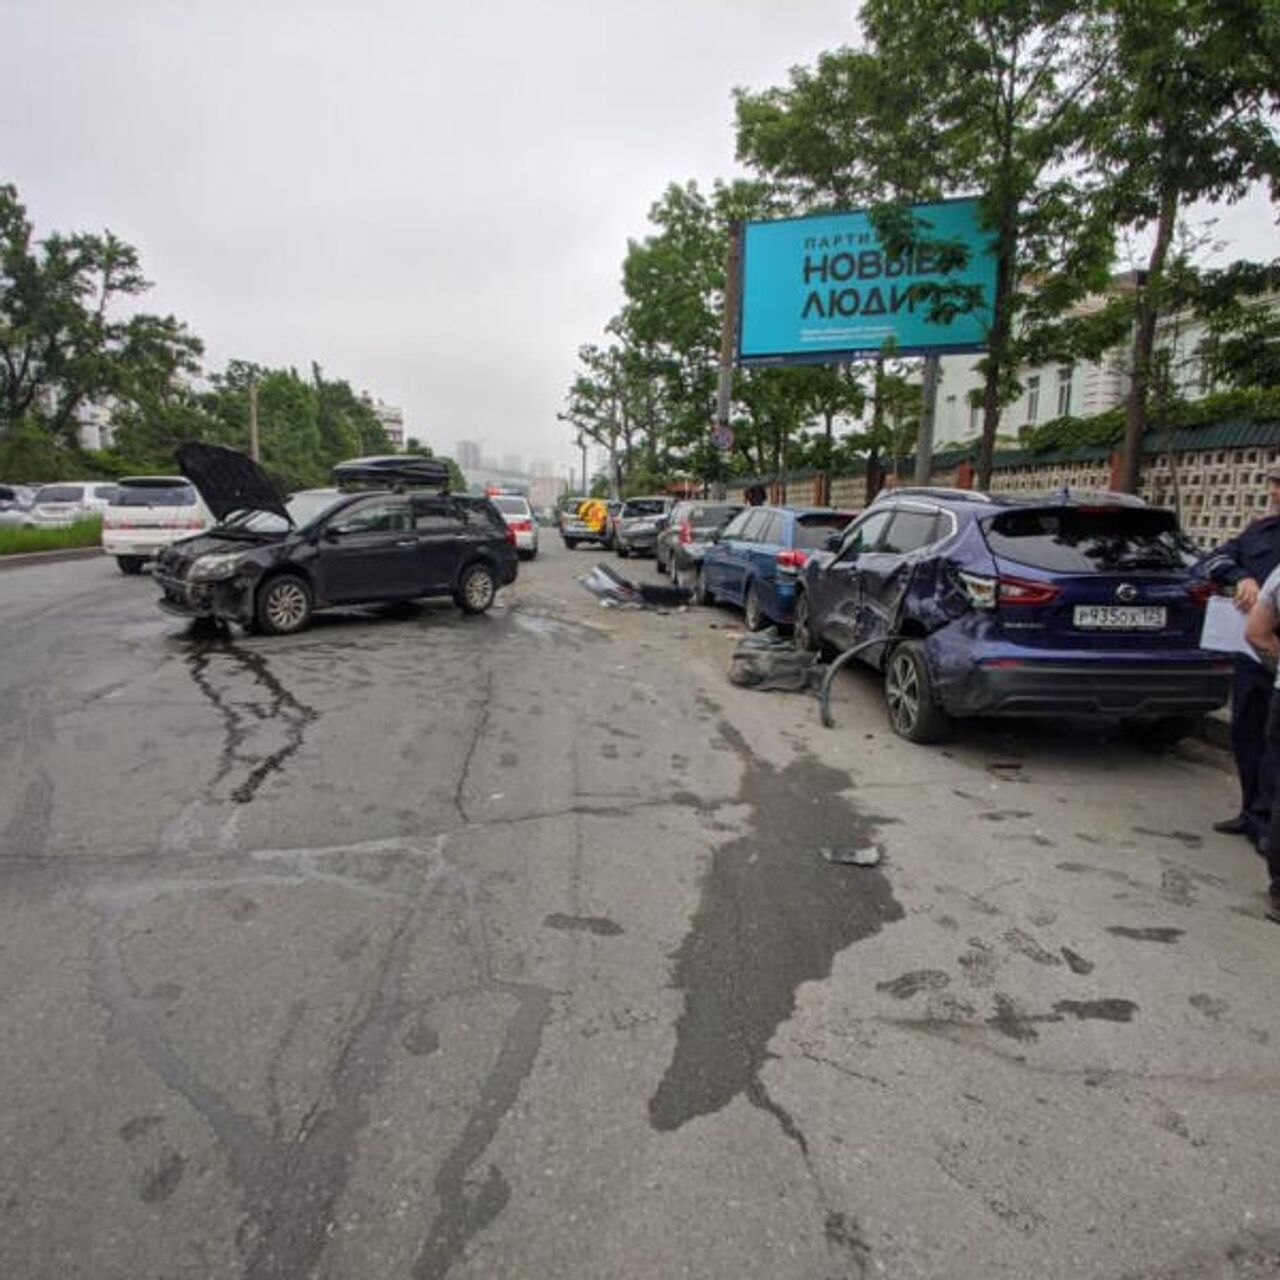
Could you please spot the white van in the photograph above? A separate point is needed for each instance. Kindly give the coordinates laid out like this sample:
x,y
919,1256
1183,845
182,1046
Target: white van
x,y
58,505
147,514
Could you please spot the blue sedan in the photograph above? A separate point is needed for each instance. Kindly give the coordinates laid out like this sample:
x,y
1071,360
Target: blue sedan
x,y
756,561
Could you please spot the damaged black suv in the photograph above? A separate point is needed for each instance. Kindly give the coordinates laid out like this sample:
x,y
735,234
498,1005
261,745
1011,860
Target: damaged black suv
x,y
389,531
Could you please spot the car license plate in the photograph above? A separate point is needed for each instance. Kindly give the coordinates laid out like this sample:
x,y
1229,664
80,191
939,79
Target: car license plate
x,y
645,527
1120,617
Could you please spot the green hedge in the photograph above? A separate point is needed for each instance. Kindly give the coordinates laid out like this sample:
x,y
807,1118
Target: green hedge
x,y
84,533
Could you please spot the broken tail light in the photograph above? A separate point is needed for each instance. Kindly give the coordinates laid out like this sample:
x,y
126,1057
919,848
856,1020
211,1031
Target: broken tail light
x,y
986,592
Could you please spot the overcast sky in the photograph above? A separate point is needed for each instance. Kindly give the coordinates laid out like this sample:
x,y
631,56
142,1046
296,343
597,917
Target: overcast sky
x,y
431,199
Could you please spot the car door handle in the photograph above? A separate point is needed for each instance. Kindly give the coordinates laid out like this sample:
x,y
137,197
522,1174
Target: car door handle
x,y
407,542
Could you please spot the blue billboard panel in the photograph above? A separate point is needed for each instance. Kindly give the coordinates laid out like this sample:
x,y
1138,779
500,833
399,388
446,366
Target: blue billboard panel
x,y
824,288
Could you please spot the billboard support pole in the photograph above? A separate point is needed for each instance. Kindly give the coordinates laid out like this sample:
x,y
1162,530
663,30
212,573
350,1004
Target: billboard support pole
x,y
728,336
928,417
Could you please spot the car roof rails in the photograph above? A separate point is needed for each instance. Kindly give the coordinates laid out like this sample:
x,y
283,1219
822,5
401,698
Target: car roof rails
x,y
393,472
932,491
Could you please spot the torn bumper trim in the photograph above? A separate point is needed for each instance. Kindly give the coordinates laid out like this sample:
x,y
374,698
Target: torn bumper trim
x,y
229,599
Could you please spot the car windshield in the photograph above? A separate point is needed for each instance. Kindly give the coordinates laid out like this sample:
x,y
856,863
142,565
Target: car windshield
x,y
1090,539
511,506
173,494
303,508
812,531
644,507
60,493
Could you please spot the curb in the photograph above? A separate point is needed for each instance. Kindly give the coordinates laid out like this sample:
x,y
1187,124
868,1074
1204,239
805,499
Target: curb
x,y
28,559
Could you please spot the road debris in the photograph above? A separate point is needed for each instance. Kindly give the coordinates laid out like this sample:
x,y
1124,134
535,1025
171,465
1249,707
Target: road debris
x,y
616,592
770,661
867,855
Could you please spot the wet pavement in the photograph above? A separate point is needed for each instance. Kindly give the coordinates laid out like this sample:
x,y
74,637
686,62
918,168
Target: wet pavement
x,y
421,945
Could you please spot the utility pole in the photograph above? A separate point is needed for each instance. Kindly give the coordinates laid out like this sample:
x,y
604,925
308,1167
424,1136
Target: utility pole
x,y
582,444
728,336
253,417
928,416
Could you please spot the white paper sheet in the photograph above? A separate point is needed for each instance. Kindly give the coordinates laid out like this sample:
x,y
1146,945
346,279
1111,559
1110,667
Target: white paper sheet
x,y
1223,630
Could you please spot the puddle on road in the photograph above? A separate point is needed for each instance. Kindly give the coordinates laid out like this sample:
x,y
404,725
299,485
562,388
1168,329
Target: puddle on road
x,y
771,917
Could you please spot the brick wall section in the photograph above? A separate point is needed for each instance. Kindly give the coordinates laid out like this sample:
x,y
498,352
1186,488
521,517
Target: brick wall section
x,y
1221,490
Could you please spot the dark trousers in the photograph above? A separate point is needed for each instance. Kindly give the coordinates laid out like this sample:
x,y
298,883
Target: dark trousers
x,y
1256,759
1273,842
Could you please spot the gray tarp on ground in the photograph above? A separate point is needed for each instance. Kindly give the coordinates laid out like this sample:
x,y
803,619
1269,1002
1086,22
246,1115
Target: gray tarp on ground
x,y
771,661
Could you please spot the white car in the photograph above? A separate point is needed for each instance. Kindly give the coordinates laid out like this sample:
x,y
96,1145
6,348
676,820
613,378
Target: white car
x,y
59,505
518,514
147,514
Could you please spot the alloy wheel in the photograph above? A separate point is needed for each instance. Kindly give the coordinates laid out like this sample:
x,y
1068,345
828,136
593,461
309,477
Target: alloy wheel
x,y
479,591
902,689
286,606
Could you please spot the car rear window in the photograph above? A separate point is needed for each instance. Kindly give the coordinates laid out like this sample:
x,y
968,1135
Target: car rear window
x,y
644,507
511,506
1090,539
813,531
710,517
154,495
61,493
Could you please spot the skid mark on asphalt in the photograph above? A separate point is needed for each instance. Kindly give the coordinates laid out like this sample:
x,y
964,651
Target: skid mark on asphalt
x,y
291,1184
772,915
218,670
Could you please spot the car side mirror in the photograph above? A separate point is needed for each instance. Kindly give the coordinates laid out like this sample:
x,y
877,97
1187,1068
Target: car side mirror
x,y
332,534
834,540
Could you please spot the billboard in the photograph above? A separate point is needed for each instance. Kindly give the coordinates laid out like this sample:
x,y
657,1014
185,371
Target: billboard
x,y
824,289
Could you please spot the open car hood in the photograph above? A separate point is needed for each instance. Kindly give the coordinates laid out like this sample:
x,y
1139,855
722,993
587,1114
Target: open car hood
x,y
228,481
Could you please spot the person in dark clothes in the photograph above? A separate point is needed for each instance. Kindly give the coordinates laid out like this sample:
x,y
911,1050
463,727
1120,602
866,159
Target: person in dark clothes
x,y
1260,631
1244,563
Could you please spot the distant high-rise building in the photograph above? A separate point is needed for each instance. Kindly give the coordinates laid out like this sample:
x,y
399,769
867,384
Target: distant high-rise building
x,y
542,468
512,462
467,454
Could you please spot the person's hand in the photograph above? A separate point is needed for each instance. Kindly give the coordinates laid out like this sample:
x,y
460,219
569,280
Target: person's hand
x,y
1246,594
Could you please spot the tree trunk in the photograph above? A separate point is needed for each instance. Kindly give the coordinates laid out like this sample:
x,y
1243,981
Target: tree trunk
x,y
828,432
1146,315
997,357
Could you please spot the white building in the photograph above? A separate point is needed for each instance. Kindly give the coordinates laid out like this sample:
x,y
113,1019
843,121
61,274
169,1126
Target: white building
x,y
390,416
1079,390
95,426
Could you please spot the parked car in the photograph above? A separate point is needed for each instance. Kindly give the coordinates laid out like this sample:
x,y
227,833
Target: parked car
x,y
1014,605
390,531
518,514
58,505
684,541
639,523
754,561
15,503
611,531
586,522
150,512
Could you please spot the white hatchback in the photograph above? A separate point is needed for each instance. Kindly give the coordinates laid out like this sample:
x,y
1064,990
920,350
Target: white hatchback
x,y
147,514
518,514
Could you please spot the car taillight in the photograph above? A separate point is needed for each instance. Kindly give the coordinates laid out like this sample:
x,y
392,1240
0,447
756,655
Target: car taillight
x,y
1200,592
522,526
686,533
986,592
511,535
792,560
1021,592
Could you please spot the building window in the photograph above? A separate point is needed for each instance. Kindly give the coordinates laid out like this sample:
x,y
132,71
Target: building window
x,y
1065,373
975,418
1033,398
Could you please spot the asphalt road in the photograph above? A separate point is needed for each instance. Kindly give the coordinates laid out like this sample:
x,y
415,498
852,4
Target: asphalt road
x,y
420,945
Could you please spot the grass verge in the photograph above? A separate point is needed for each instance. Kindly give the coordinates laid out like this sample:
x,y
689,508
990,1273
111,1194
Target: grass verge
x,y
84,533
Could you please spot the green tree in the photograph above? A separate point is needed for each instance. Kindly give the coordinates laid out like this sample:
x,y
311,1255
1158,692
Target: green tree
x,y
64,342
948,97
1185,113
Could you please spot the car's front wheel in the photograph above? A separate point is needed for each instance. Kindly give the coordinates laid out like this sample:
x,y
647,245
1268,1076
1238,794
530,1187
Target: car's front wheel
x,y
130,565
914,713
476,588
283,605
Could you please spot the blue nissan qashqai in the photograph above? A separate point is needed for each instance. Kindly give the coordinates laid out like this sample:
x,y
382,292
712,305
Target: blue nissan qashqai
x,y
1002,604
